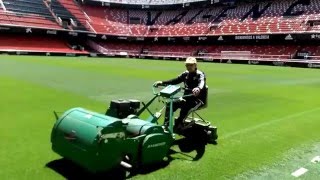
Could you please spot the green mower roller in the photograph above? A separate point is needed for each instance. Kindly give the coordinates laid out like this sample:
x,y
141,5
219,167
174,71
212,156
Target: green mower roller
x,y
100,142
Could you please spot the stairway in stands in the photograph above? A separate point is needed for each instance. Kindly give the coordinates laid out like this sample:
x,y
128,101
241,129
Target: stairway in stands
x,y
3,18
2,7
61,10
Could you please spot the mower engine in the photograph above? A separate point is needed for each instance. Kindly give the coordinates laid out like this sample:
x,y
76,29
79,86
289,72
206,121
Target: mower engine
x,y
123,108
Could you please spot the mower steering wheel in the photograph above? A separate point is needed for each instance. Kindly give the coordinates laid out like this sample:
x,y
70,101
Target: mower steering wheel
x,y
182,88
154,91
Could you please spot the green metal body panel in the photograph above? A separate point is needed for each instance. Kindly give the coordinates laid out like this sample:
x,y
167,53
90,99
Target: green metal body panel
x,y
153,143
133,149
138,127
90,139
155,147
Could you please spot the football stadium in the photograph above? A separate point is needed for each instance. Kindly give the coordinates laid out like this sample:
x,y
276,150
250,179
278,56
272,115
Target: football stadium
x,y
160,89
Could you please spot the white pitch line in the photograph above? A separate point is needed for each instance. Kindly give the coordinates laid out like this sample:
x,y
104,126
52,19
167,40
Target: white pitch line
x,y
269,122
299,172
303,170
316,159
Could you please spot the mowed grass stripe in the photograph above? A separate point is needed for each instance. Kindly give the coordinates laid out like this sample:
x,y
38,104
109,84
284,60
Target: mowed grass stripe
x,y
26,122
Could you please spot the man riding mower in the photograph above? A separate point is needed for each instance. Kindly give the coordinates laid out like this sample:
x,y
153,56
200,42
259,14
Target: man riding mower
x,y
195,94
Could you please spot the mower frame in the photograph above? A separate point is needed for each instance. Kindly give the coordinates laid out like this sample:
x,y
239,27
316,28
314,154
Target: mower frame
x,y
170,99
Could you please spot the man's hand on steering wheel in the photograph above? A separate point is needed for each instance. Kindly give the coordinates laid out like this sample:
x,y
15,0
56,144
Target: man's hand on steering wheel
x,y
157,83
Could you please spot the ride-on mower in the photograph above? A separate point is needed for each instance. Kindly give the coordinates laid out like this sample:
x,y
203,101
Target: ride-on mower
x,y
100,142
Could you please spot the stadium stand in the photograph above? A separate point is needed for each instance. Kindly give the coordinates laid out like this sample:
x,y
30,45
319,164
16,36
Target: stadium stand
x,y
27,13
49,14
313,50
102,25
171,50
276,50
267,17
252,51
122,48
35,44
99,28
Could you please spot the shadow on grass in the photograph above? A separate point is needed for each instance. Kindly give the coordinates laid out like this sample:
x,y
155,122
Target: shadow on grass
x,y
70,170
188,145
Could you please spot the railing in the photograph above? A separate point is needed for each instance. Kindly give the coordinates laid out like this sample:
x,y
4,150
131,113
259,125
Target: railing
x,y
222,56
2,5
213,56
88,25
168,53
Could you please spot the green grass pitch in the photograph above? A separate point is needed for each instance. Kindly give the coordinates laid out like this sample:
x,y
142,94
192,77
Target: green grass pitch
x,y
267,117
